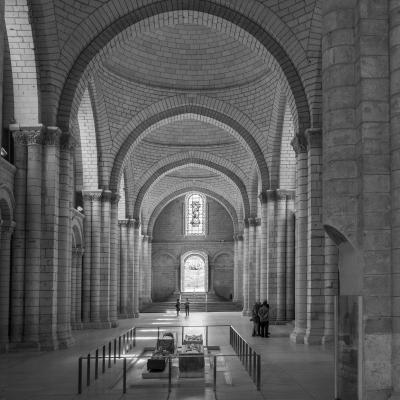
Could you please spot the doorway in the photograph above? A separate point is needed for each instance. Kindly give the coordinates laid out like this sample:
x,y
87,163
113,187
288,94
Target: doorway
x,y
194,272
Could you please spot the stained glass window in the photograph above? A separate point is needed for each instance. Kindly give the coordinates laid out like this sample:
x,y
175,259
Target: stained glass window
x,y
195,205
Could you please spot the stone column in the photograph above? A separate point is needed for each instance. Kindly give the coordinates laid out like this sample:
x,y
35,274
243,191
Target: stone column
x,y
315,241
330,287
264,247
6,230
123,229
149,269
33,237
240,267
143,269
49,274
290,256
235,268
252,262
95,270
136,267
87,260
258,259
131,267
281,255
114,260
65,243
105,268
74,279
300,147
394,43
246,307
18,245
78,301
272,294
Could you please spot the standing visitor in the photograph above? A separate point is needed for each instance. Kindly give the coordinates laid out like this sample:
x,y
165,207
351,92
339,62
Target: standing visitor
x,y
256,319
178,307
263,313
187,306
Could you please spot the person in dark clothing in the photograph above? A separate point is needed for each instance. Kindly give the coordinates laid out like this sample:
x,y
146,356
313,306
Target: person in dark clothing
x,y
263,313
187,307
256,319
178,307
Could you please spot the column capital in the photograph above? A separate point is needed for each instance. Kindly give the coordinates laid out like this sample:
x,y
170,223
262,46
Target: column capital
x,y
25,135
253,221
78,250
51,136
123,222
92,195
314,137
299,144
267,196
68,141
284,194
7,229
106,196
136,223
115,198
257,221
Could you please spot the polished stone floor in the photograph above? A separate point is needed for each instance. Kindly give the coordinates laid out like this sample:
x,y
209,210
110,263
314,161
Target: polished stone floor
x,y
289,371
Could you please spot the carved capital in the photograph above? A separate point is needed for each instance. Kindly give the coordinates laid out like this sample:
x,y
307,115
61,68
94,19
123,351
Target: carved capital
x,y
19,138
34,136
263,197
78,251
106,196
136,223
115,198
299,144
314,137
252,221
123,222
51,136
67,141
92,195
6,229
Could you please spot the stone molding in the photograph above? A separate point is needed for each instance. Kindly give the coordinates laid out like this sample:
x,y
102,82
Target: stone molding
x,y
314,138
299,144
51,136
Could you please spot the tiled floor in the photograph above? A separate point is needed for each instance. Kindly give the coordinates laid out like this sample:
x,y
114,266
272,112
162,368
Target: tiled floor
x,y
289,371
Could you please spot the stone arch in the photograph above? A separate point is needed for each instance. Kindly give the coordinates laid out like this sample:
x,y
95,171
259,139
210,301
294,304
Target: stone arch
x,y
77,233
192,161
289,62
7,204
26,95
193,253
165,270
156,212
200,107
222,266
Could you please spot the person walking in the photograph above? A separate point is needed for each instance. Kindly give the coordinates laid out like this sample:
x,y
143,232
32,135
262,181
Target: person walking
x,y
263,313
187,307
177,307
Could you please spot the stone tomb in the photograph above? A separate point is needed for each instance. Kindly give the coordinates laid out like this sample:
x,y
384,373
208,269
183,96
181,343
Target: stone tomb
x,y
191,357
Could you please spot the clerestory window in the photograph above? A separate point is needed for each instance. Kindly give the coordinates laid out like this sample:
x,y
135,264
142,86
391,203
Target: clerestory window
x,y
195,212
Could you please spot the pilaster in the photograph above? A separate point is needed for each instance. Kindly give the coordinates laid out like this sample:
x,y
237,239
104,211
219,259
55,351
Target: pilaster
x,y
264,248
123,229
114,260
137,250
246,307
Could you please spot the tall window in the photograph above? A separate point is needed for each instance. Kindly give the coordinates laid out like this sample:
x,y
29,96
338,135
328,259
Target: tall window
x,y
195,212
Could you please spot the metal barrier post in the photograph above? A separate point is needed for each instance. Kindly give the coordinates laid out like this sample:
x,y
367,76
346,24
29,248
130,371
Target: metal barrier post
x,y
134,337
182,333
246,353
104,359
207,335
131,339
124,378
169,374
254,366
96,365
123,344
250,361
115,351
119,347
258,372
215,374
80,375
109,354
88,370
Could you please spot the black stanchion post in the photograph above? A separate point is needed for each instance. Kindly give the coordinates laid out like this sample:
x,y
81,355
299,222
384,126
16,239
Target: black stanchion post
x,y
207,335
169,374
96,365
258,372
115,351
254,366
215,374
158,333
134,337
124,378
104,359
182,333
109,354
80,375
123,345
119,347
247,357
88,370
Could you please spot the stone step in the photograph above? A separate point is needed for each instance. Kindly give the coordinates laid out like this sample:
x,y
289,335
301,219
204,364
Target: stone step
x,y
219,306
